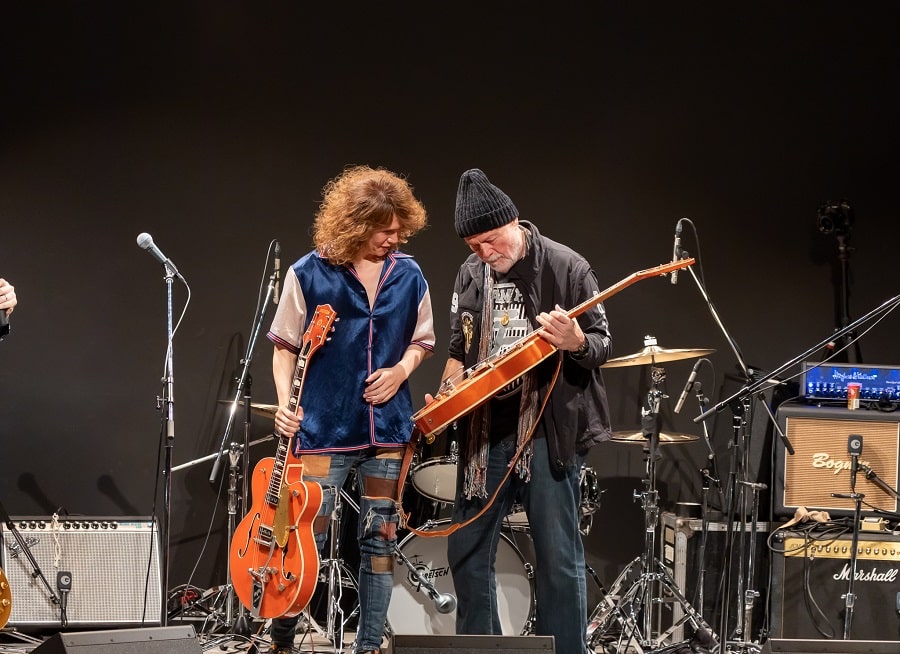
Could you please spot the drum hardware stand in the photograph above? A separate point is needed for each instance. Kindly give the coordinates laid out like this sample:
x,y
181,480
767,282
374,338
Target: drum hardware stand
x,y
636,603
338,575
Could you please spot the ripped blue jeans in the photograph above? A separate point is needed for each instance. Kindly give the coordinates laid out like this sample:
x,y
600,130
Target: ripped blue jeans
x,y
376,533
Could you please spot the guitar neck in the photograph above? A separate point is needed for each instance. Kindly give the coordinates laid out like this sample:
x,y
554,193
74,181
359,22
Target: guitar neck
x,y
628,281
313,339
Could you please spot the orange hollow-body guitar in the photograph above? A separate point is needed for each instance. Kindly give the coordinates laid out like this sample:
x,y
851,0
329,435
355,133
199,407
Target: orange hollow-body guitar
x,y
274,559
486,378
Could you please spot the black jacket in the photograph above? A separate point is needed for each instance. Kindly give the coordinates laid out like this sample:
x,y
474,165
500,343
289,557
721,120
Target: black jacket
x,y
577,415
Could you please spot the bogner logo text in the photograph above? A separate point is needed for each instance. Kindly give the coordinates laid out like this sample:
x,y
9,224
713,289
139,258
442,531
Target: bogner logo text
x,y
824,460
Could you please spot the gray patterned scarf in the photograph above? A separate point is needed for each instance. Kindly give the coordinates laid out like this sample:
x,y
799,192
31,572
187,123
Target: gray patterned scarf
x,y
478,438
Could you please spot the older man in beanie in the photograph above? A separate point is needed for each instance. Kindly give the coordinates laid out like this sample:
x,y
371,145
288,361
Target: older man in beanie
x,y
516,281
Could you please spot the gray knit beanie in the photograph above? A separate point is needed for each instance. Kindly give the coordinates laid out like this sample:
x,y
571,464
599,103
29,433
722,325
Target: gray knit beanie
x,y
481,206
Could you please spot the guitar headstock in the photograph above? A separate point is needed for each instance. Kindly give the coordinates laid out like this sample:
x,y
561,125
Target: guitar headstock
x,y
667,267
319,327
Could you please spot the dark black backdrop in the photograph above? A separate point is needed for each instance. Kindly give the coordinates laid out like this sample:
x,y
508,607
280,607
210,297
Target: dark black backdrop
x,y
213,126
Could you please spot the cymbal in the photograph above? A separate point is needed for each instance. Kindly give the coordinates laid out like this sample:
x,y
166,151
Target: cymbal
x,y
655,354
665,438
256,408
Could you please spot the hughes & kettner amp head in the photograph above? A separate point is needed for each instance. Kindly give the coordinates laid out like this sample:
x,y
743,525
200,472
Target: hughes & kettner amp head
x,y
827,382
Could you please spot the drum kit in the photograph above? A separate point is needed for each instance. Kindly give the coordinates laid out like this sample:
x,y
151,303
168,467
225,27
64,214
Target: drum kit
x,y
423,600
422,580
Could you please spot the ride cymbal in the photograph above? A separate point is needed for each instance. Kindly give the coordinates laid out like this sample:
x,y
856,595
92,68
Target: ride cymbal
x,y
256,408
665,438
654,354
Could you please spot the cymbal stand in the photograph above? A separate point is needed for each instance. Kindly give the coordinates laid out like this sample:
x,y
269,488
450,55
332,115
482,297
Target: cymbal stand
x,y
633,608
338,575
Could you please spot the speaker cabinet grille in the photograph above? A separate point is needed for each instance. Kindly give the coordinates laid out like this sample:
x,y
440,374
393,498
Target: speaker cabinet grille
x,y
820,464
115,568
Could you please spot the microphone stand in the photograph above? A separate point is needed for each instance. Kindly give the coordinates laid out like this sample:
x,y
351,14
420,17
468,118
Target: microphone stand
x,y
850,597
735,495
241,624
167,404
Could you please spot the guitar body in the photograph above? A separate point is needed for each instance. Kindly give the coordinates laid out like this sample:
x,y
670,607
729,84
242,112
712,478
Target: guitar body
x,y
5,600
482,384
269,579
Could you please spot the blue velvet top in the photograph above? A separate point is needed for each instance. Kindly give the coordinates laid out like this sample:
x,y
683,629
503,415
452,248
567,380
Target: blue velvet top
x,y
336,418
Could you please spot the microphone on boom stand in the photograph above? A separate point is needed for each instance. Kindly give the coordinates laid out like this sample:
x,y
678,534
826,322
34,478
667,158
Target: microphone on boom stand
x,y
854,449
676,250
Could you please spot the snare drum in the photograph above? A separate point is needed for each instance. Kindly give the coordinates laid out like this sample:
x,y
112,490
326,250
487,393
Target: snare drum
x,y
436,478
412,611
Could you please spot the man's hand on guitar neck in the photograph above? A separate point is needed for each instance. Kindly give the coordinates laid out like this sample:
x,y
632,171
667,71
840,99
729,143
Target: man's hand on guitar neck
x,y
560,330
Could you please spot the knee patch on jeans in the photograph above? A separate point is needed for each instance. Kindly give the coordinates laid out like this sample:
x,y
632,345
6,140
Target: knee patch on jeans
x,y
382,564
320,524
379,487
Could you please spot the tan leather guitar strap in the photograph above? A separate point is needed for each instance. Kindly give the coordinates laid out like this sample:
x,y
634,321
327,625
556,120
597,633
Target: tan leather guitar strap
x,y
413,444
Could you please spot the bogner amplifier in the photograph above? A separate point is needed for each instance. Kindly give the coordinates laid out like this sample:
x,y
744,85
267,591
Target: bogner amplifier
x,y
110,565
810,579
821,463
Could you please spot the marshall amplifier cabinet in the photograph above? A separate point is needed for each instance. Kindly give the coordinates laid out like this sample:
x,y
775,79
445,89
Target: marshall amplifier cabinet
x,y
821,463
810,577
110,566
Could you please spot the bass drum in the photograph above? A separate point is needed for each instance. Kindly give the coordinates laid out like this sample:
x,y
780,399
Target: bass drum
x,y
412,611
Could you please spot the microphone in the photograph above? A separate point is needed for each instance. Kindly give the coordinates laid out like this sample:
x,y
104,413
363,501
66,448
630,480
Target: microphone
x,y
687,387
277,270
854,449
676,251
444,602
4,323
145,242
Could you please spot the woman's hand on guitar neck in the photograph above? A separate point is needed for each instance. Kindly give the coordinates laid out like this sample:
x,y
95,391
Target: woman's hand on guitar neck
x,y
287,423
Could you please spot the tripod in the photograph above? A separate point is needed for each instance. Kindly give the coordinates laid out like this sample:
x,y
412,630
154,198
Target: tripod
x,y
632,609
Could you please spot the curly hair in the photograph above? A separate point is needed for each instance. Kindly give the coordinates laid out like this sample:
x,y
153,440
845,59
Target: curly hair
x,y
359,202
